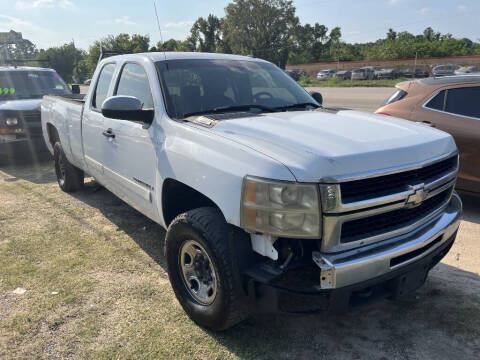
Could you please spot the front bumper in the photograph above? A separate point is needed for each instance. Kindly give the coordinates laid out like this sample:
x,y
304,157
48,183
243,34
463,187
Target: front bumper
x,y
358,265
10,146
353,277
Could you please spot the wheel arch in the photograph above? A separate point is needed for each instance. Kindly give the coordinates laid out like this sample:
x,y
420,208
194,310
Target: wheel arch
x,y
52,133
177,198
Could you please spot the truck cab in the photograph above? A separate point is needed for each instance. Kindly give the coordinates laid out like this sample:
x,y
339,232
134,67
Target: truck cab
x,y
21,92
271,202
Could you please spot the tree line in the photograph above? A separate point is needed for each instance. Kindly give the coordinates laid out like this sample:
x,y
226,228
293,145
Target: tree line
x,y
267,29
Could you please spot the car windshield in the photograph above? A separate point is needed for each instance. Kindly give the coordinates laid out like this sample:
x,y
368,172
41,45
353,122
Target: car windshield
x,y
18,84
203,85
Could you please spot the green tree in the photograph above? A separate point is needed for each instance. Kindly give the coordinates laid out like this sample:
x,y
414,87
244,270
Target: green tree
x,y
65,60
206,34
391,35
123,43
261,27
173,45
308,42
22,50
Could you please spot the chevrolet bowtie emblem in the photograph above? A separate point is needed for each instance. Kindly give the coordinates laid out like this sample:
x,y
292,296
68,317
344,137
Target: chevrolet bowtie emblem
x,y
418,195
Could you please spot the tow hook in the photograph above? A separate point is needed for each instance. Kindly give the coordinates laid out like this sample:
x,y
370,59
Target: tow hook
x,y
327,271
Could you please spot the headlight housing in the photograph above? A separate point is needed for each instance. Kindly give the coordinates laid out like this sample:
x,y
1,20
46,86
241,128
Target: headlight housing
x,y
12,121
280,208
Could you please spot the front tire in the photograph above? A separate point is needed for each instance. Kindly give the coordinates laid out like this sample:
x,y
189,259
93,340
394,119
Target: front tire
x,y
203,269
69,177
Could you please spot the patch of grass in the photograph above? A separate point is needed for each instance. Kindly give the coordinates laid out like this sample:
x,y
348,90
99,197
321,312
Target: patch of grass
x,y
97,288
336,82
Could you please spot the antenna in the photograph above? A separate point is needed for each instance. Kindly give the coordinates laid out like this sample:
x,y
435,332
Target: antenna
x,y
159,29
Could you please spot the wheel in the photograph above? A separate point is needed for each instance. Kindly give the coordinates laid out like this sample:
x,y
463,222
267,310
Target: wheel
x,y
203,270
69,177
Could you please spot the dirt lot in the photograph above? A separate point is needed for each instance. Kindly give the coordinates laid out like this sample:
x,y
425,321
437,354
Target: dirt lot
x,y
96,287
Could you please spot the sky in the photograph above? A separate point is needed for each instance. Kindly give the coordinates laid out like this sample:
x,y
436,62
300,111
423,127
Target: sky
x,y
56,22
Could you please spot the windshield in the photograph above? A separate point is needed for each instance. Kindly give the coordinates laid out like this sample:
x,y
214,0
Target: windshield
x,y
30,84
194,86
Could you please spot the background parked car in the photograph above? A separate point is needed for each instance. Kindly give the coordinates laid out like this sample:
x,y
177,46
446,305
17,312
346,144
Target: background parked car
x,y
376,73
444,70
413,73
388,74
451,104
21,92
343,74
467,70
296,74
325,74
365,73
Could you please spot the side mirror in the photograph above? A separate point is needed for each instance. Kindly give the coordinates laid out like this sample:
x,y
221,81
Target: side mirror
x,y
317,96
75,89
126,108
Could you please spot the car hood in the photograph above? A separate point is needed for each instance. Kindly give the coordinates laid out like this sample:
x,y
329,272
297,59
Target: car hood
x,y
20,105
320,145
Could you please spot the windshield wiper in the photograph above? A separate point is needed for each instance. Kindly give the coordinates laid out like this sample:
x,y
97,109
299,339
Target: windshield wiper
x,y
297,106
219,110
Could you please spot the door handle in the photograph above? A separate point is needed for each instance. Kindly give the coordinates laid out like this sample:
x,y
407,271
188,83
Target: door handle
x,y
108,133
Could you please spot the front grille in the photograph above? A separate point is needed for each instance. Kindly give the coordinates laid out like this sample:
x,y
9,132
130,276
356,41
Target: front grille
x,y
29,118
383,223
385,185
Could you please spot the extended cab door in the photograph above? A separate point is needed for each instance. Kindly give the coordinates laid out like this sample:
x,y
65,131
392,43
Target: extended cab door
x,y
93,123
456,110
129,161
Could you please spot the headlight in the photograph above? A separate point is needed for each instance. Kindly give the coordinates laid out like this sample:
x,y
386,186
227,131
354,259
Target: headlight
x,y
280,208
11,121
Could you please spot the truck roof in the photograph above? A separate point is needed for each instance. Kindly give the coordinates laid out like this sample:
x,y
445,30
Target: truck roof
x,y
23,68
162,56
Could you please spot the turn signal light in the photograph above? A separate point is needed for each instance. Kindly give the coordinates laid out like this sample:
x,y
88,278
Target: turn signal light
x,y
11,131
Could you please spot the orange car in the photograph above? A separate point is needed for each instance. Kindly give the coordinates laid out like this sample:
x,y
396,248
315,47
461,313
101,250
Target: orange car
x,y
451,104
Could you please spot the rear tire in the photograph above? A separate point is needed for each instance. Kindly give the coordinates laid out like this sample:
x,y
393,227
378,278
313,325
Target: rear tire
x,y
69,177
205,234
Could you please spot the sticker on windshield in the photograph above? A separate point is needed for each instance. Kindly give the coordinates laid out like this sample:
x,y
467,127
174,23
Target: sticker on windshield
x,y
7,91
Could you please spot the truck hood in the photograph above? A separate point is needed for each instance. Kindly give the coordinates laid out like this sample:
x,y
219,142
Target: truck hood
x,y
320,145
20,105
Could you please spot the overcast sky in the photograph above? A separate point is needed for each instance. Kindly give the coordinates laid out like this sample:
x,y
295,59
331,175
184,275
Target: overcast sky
x,y
55,22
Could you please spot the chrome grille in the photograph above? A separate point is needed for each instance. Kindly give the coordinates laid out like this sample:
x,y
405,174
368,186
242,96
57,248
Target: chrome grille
x,y
31,117
389,221
383,185
372,209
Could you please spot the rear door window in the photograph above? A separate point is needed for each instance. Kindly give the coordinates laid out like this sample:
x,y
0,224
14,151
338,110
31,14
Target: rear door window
x,y
437,102
134,82
103,84
464,101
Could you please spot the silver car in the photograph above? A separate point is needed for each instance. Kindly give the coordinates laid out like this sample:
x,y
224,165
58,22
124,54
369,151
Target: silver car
x,y
325,74
365,73
467,70
444,70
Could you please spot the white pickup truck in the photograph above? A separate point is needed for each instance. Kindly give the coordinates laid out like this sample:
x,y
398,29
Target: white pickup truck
x,y
271,202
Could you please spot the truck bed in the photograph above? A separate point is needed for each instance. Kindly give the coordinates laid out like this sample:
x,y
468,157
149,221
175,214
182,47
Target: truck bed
x,y
75,98
65,114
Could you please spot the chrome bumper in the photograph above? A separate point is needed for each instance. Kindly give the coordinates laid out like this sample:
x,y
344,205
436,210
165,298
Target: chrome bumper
x,y
354,266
